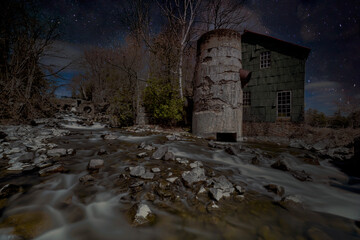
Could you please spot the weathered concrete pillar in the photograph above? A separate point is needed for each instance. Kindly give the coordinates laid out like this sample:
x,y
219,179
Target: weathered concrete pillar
x,y
218,91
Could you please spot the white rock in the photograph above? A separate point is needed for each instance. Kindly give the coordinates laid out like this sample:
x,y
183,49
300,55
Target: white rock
x,y
155,170
172,180
57,152
143,211
196,164
202,190
95,164
137,171
142,155
147,175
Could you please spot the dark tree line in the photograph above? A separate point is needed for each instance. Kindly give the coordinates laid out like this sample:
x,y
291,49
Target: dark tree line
x,y
154,67
24,37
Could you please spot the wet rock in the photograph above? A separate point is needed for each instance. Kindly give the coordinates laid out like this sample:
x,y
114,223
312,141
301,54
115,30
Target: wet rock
x,y
182,161
240,190
146,147
292,200
137,184
143,215
86,178
149,148
142,155
278,190
298,143
18,166
110,136
217,194
8,190
95,164
195,175
172,180
13,150
70,151
212,207
212,144
171,137
202,190
234,150
102,151
142,145
160,152
221,187
322,145
27,157
280,165
137,171
57,152
147,175
169,156
155,170
41,158
196,164
58,168
301,175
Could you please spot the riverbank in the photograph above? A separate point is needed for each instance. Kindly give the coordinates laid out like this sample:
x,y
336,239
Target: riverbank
x,y
70,178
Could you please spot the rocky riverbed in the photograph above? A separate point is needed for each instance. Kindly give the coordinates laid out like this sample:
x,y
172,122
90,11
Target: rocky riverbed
x,y
70,178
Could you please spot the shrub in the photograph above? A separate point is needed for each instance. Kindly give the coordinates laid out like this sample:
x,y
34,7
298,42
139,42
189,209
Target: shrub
x,y
121,110
315,118
162,102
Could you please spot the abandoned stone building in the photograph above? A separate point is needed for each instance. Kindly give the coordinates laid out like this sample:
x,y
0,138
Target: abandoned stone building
x,y
251,77
276,89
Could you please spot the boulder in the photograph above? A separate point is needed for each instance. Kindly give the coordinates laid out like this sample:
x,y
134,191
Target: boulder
x,y
102,151
155,170
196,164
278,190
280,165
172,180
110,136
137,171
195,175
143,215
169,156
142,155
147,175
160,152
57,152
95,164
86,178
221,187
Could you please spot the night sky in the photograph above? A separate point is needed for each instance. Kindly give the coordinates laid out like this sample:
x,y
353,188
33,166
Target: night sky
x,y
330,28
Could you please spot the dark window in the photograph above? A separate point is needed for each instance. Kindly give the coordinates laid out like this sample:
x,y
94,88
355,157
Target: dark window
x,y
284,103
265,59
247,98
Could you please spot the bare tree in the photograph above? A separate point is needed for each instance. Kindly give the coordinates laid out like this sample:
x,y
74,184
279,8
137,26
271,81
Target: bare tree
x,y
223,14
181,15
25,36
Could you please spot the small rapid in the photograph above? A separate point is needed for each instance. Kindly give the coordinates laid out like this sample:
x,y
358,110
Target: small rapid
x,y
59,206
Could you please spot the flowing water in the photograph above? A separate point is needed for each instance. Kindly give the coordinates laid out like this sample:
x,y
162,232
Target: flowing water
x,y
60,207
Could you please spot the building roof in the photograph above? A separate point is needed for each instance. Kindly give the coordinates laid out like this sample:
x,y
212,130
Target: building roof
x,y
271,42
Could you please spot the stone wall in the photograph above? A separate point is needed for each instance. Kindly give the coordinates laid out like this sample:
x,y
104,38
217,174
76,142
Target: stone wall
x,y
217,85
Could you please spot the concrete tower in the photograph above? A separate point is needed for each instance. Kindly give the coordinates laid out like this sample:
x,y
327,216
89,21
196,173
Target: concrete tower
x,y
218,84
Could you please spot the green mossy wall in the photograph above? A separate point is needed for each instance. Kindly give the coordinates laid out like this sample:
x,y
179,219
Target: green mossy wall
x,y
286,73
